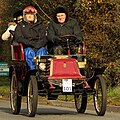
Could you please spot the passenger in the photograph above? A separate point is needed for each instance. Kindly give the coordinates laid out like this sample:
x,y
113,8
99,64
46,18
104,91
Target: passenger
x,y
17,17
61,25
31,33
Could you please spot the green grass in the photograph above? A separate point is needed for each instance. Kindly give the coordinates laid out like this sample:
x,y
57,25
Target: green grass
x,y
4,86
113,94
66,98
71,98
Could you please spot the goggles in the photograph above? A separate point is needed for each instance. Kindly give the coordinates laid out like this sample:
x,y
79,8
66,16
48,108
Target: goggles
x,y
30,10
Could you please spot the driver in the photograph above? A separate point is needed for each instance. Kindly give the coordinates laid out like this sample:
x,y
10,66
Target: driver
x,y
61,25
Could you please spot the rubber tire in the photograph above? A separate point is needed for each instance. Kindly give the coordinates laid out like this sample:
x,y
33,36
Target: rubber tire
x,y
100,85
15,99
81,102
32,96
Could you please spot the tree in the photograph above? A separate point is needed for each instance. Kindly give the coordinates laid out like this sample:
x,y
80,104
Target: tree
x,y
98,19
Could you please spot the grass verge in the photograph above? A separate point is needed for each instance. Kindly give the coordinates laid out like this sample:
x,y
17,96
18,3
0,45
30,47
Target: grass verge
x,y
4,87
113,94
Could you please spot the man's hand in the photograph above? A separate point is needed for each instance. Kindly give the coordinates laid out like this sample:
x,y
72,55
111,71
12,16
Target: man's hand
x,y
78,41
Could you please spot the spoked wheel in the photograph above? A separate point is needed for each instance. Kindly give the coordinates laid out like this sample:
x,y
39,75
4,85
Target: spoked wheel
x,y
81,102
100,99
15,98
32,96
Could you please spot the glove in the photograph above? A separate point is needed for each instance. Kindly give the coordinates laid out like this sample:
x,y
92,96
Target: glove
x,y
78,41
12,32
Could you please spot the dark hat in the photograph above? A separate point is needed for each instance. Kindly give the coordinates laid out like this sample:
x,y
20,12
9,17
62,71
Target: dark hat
x,y
60,9
17,14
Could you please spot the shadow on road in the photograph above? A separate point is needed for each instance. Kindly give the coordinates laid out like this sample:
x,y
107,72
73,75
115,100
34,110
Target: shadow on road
x,y
48,111
55,111
6,110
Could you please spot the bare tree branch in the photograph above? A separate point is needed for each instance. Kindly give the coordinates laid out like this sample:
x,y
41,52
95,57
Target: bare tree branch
x,y
41,9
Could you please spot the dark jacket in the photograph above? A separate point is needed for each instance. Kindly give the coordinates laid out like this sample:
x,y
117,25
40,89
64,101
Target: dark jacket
x,y
71,27
31,35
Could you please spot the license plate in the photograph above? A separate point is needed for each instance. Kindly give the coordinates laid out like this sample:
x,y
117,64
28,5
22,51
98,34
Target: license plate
x,y
67,85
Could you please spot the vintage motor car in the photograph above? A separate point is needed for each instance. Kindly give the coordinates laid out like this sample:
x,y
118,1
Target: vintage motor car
x,y
66,74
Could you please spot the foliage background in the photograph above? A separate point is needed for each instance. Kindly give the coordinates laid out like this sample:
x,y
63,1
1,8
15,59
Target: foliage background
x,y
99,21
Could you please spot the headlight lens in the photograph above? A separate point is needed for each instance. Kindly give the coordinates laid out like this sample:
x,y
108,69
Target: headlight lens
x,y
42,66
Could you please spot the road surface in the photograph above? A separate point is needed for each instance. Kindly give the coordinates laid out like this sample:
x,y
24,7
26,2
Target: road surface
x,y
47,112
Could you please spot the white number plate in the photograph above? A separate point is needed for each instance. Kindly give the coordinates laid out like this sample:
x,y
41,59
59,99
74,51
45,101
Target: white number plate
x,y
67,85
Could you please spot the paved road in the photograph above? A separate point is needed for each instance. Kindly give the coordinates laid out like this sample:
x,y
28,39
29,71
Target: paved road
x,y
47,112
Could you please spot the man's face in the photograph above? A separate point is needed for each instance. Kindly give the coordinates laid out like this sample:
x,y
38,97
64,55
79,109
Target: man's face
x,y
61,17
30,17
